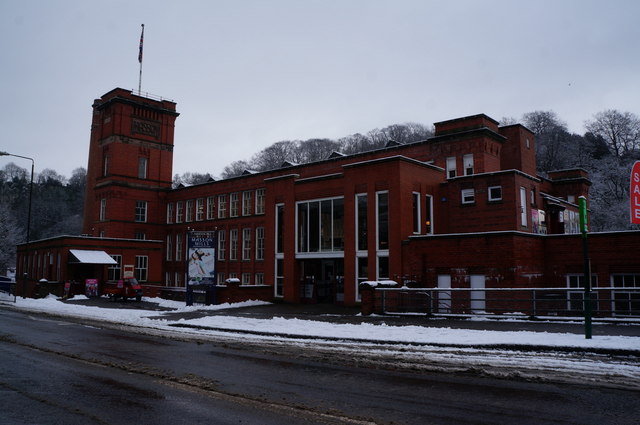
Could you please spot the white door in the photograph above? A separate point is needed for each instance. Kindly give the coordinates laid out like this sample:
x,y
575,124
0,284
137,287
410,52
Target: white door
x,y
444,297
478,304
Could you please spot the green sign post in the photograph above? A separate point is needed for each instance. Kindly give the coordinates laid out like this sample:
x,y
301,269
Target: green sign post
x,y
582,205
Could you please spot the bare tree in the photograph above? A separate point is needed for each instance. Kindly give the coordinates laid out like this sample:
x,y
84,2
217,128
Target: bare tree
x,y
555,149
620,130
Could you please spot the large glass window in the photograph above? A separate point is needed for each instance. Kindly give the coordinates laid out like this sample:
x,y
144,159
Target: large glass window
x,y
320,225
361,217
383,220
626,297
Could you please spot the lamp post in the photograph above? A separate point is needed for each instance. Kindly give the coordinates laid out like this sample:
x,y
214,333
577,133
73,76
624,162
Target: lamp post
x,y
24,288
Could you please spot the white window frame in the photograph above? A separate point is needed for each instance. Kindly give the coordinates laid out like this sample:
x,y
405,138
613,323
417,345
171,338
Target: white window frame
x,y
468,196
199,209
179,212
103,209
491,197
141,269
170,213
260,199
169,254
141,212
246,203
259,243
222,206
234,204
179,247
233,244
211,207
467,164
222,242
246,244
188,211
417,212
524,220
452,168
143,166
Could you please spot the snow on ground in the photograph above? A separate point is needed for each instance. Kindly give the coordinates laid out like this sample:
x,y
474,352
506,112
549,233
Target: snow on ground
x,y
311,328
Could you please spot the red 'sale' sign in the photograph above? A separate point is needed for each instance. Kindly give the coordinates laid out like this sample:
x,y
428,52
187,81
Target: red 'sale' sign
x,y
634,193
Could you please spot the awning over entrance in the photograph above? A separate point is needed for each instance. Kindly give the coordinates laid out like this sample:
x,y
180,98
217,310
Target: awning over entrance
x,y
81,256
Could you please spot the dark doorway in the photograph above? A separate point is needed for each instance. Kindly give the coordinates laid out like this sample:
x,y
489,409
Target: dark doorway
x,y
323,280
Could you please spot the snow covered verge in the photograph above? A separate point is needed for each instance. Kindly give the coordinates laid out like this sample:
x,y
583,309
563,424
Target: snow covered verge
x,y
612,361
363,332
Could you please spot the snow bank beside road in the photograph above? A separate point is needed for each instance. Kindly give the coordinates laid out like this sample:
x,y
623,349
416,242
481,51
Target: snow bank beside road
x,y
318,329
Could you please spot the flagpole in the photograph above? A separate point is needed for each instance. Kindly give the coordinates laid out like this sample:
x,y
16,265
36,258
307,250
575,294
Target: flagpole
x,y
140,60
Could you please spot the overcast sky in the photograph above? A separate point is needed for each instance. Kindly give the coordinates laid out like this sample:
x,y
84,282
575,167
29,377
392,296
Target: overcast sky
x,y
246,74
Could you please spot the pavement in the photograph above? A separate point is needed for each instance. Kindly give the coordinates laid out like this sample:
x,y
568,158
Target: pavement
x,y
351,315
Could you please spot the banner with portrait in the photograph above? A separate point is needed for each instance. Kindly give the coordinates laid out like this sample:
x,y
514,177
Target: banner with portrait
x,y
201,260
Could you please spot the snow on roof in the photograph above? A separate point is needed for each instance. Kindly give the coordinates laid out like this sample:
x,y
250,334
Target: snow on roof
x,y
90,257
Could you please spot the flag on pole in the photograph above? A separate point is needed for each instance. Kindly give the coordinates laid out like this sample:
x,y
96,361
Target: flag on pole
x,y
141,40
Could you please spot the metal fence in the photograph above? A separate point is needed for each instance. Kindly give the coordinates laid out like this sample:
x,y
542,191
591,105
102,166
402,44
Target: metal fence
x,y
532,302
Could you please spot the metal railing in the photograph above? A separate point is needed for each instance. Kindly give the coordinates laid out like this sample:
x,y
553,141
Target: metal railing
x,y
531,302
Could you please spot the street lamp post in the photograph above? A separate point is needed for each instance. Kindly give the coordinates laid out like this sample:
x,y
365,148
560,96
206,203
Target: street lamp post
x,y
24,288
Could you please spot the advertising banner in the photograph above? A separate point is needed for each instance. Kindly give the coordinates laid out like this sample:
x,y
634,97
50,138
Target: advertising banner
x,y
201,263
634,193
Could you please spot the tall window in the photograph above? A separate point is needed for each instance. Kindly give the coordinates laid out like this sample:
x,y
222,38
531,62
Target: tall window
x,y
383,220
179,247
260,201
246,244
189,212
199,209
260,243
141,211
169,255
222,206
279,289
103,209
105,166
451,167
416,212
246,202
170,213
234,204
361,217
320,225
233,244
523,207
246,279
113,271
141,269
142,167
211,205
179,212
428,215
280,228
222,244
467,161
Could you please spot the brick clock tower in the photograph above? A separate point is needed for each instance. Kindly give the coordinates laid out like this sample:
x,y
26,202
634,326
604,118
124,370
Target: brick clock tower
x,y
130,166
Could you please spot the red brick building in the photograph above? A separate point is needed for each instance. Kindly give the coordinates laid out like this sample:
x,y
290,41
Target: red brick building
x,y
466,202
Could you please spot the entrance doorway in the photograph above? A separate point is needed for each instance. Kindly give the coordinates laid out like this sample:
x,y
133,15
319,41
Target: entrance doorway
x,y
323,280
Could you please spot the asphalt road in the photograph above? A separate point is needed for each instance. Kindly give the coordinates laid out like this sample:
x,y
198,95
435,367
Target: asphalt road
x,y
55,371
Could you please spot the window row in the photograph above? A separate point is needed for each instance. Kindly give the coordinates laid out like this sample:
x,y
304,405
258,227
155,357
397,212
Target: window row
x,y
494,194
218,206
232,244
246,278
452,165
